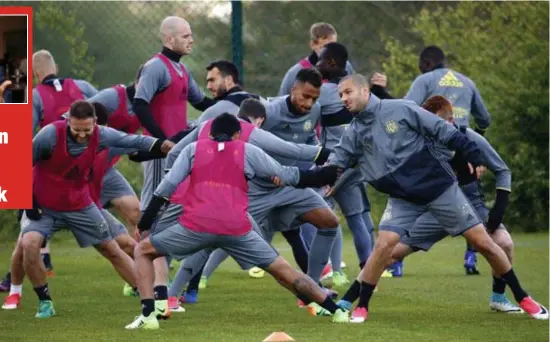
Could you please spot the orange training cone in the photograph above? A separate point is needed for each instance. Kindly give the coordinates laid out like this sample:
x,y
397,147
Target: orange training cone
x,y
278,336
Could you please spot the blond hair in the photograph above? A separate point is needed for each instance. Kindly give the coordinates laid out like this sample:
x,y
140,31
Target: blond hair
x,y
321,30
43,61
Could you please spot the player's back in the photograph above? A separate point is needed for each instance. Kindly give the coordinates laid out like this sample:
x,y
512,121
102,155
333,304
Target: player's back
x,y
452,85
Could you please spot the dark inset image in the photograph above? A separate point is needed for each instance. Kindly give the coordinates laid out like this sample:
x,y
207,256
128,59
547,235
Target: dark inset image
x,y
13,58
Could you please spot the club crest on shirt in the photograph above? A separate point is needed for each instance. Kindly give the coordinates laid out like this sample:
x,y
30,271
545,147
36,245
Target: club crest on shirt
x,y
391,127
308,126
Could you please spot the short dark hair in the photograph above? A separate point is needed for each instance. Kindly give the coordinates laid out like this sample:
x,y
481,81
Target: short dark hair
x,y
225,125
82,110
338,52
251,108
101,112
226,68
432,54
311,76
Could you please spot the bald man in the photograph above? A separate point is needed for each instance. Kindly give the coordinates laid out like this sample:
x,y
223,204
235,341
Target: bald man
x,y
160,103
400,134
165,86
162,93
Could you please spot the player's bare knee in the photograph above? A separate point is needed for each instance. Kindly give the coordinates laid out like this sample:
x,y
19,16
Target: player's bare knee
x,y
507,246
322,218
31,241
503,239
126,243
485,245
129,207
384,246
331,220
327,219
109,250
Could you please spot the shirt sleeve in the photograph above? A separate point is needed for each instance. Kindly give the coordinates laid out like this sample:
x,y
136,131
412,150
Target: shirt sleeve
x,y
480,113
37,111
346,153
180,171
259,164
43,144
494,162
109,137
195,94
86,88
274,145
180,146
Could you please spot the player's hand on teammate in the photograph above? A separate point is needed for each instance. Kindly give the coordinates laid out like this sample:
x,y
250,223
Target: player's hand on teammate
x,y
141,235
379,79
3,88
479,170
277,181
482,169
329,191
166,146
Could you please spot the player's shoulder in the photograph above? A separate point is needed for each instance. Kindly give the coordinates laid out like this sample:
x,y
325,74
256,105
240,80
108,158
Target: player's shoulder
x,y
315,109
398,108
190,149
276,99
251,149
216,106
398,103
273,105
46,132
105,131
329,89
201,125
81,83
456,73
109,91
226,104
425,77
329,86
294,69
153,64
184,67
